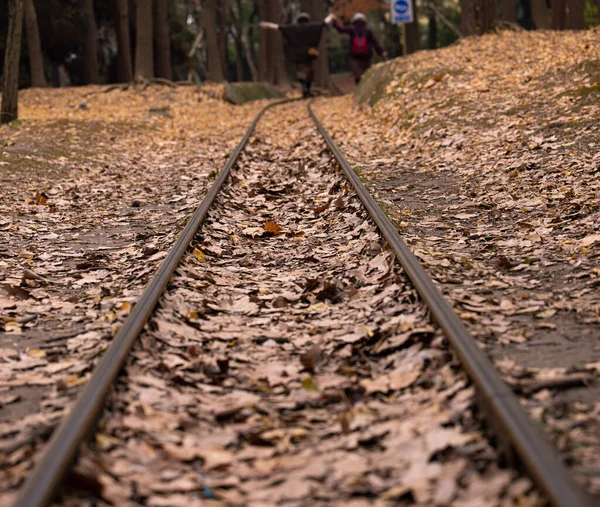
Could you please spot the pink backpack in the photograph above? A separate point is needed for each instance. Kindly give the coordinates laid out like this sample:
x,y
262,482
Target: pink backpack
x,y
360,44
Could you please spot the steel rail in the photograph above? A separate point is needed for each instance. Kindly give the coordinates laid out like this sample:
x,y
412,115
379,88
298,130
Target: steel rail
x,y
42,485
537,455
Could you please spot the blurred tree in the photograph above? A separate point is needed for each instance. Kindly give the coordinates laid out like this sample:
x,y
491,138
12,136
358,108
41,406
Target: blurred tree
x,y
241,15
89,67
222,12
345,9
477,16
509,11
431,28
410,32
10,87
575,17
540,14
34,46
271,64
144,59
215,65
124,67
568,14
162,39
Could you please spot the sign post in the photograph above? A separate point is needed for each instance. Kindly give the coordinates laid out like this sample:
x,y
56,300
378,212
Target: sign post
x,y
402,11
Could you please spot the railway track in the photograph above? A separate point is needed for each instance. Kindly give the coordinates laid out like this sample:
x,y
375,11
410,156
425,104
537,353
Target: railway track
x,y
286,356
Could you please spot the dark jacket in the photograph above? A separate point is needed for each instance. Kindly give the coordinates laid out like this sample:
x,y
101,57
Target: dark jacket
x,y
300,38
360,30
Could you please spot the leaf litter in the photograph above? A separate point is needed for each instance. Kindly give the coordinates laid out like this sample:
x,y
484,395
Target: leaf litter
x,y
491,176
90,202
293,368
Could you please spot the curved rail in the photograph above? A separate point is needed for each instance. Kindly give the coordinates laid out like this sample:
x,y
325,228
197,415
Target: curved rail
x,y
41,486
540,459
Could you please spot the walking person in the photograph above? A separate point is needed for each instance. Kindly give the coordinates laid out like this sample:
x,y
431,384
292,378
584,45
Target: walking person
x,y
362,42
303,40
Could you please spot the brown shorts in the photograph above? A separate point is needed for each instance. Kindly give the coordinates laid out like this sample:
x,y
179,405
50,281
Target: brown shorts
x,y
305,71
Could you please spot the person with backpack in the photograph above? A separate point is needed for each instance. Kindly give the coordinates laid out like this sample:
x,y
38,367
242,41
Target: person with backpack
x,y
362,42
302,40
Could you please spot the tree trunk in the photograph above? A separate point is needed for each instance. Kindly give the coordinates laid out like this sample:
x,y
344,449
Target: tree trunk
x,y
431,30
509,11
271,59
277,57
215,68
163,41
558,14
263,50
248,53
468,25
487,15
239,61
124,67
393,36
222,11
36,58
144,59
240,35
539,13
316,9
10,87
477,16
576,19
410,33
90,44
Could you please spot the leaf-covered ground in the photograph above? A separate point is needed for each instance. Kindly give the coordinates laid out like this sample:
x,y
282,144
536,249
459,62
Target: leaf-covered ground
x,y
486,155
95,186
254,384
291,362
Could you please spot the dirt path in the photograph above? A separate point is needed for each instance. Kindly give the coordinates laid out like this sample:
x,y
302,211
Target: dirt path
x,y
291,362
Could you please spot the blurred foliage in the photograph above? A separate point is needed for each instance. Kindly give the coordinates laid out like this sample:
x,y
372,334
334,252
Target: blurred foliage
x,y
591,14
62,31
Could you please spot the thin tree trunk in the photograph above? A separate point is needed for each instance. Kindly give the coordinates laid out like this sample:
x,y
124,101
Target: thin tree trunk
x,y
263,49
215,68
540,14
124,66
239,61
144,59
36,57
410,33
509,11
163,41
90,44
431,30
392,37
248,53
222,11
251,40
10,87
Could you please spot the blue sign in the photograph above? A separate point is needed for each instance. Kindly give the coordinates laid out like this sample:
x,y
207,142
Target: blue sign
x,y
402,11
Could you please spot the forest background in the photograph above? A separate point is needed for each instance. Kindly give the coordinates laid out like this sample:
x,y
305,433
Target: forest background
x,y
78,42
